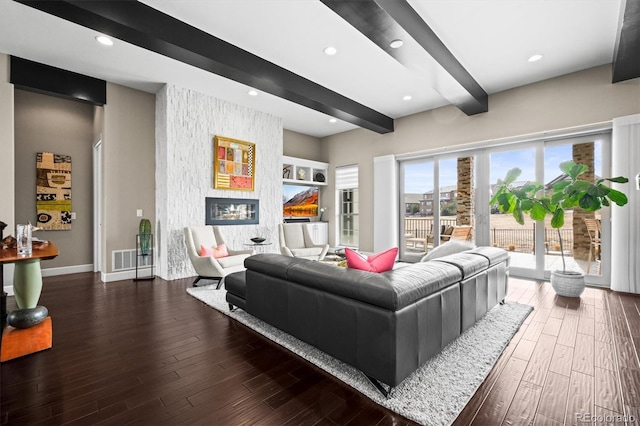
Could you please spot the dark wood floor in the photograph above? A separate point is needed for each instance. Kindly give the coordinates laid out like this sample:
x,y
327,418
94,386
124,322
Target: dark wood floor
x,y
147,353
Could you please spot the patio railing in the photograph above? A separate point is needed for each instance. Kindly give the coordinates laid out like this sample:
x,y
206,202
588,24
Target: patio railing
x,y
520,239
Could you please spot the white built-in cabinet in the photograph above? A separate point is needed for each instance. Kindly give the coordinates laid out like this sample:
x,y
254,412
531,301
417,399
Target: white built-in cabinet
x,y
304,172
319,232
299,171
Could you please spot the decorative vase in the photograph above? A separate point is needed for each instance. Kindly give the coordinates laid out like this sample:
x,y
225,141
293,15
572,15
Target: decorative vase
x,y
568,284
144,230
24,240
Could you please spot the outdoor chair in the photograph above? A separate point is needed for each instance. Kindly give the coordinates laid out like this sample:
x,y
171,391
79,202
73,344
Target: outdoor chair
x,y
462,233
445,234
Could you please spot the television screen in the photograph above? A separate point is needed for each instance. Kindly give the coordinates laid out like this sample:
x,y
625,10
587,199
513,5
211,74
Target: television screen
x,y
299,201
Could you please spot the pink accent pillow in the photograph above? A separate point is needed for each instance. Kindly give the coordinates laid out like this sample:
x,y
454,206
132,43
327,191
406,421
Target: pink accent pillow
x,y
216,252
379,262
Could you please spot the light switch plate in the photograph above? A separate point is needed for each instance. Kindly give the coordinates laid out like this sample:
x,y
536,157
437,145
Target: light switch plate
x,y
139,212
73,215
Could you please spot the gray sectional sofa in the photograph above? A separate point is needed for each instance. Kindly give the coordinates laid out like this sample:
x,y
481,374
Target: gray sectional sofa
x,y
385,325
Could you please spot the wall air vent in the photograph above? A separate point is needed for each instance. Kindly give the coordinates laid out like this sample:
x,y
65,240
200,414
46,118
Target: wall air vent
x,y
124,260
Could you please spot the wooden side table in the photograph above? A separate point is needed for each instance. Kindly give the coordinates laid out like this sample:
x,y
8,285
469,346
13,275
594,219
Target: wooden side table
x,y
27,282
27,287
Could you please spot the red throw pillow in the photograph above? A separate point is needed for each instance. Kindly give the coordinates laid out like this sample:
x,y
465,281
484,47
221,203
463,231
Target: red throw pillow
x,y
379,262
216,252
206,251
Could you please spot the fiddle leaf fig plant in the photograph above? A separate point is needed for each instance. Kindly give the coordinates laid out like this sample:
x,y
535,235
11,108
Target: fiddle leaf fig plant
x,y
565,195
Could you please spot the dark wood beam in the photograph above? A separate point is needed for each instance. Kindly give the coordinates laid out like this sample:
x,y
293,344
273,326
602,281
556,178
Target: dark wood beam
x,y
626,58
40,78
143,26
385,20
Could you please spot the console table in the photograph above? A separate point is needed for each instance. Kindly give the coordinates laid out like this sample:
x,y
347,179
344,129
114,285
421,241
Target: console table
x,y
27,286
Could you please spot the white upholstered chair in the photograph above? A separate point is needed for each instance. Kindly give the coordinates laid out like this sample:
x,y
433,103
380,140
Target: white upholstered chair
x,y
295,241
208,267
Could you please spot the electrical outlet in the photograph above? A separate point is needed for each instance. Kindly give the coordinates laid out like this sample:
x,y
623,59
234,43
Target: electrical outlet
x,y
73,215
139,212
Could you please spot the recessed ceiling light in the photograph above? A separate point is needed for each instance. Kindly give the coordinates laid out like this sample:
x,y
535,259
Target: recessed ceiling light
x,y
407,98
535,58
330,50
104,40
396,44
333,120
253,93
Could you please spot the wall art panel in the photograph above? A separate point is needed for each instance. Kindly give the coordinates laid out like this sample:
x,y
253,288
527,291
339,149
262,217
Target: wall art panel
x,y
53,191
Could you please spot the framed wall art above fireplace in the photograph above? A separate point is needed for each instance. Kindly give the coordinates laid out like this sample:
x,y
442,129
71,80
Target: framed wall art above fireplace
x,y
232,211
234,164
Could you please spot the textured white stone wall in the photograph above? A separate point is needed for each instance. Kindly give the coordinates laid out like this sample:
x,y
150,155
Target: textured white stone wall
x,y
187,122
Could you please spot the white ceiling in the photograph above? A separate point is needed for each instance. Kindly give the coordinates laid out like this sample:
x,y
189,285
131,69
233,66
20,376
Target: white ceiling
x,y
491,39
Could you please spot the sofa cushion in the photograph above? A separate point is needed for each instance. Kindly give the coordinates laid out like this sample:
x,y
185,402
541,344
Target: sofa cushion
x,y
272,264
392,290
367,287
495,255
236,284
469,264
379,262
420,280
450,247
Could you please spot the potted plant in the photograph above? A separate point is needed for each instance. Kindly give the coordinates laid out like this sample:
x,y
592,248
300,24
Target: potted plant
x,y
565,195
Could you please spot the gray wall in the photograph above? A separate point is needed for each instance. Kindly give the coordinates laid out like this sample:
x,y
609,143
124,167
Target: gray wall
x,y
128,167
7,188
302,146
49,124
566,102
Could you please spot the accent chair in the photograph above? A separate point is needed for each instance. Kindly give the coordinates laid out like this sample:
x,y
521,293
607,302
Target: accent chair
x,y
296,241
209,267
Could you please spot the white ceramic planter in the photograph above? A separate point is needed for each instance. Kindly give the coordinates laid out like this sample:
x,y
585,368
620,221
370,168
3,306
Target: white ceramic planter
x,y
568,284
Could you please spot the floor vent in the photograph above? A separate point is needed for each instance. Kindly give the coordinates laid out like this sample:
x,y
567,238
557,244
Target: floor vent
x,y
124,260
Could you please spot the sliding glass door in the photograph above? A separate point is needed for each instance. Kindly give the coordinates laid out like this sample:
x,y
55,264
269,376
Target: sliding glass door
x,y
446,192
504,231
536,248
416,224
438,203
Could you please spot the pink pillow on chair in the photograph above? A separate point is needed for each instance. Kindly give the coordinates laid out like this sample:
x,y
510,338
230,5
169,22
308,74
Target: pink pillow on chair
x,y
379,262
216,252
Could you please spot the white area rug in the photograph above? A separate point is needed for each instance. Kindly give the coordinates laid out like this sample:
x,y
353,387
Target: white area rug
x,y
434,394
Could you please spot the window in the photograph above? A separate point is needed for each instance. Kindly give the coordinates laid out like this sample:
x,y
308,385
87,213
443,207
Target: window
x,y
347,202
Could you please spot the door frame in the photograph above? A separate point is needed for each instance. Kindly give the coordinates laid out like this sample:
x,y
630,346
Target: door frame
x,y
97,205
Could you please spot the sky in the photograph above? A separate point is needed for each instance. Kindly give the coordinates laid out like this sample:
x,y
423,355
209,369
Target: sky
x,y
419,177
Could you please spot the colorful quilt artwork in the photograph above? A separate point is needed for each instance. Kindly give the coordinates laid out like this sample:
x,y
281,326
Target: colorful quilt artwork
x,y
53,191
234,164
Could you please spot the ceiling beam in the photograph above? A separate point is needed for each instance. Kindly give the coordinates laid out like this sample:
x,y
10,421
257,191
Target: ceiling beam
x,y
385,20
626,58
143,26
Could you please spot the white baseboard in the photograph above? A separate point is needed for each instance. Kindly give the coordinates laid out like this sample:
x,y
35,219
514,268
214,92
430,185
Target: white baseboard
x,y
65,270
121,275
